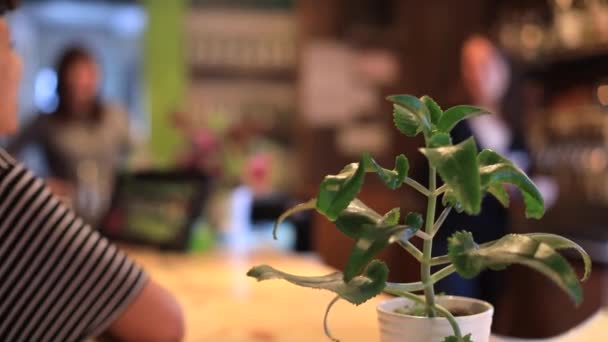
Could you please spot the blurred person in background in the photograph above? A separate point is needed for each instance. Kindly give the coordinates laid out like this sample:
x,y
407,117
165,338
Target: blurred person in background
x,y
83,141
488,80
62,281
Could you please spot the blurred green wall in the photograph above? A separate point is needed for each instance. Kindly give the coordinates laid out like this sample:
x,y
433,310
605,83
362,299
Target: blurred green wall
x,y
165,71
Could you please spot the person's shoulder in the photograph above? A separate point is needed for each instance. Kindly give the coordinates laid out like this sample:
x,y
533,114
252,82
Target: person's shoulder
x,y
113,110
10,166
40,122
7,161
42,126
115,115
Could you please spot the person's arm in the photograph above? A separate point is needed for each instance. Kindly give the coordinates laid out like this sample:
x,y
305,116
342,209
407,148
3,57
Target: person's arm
x,y
118,120
66,282
154,315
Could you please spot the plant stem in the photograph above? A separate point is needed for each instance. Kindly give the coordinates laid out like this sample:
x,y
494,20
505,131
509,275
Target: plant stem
x,y
419,187
427,248
325,323
442,311
442,217
423,235
440,260
442,273
410,248
398,288
440,190
445,259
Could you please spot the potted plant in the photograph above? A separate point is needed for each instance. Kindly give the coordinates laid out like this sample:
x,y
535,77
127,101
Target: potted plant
x,y
467,176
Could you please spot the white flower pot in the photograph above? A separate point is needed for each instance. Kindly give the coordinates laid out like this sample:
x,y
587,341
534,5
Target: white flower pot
x,y
399,327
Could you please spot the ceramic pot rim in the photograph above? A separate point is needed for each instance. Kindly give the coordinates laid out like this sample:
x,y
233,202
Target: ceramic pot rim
x,y
489,309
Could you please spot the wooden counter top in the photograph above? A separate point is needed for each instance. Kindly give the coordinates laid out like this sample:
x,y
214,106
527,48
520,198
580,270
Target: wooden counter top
x,y
221,304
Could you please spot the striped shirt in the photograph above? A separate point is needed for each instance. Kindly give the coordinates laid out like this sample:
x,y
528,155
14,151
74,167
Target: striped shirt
x,y
59,279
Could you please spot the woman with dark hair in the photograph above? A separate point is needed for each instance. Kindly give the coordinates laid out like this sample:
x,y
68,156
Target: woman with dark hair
x,y
59,279
487,77
83,140
77,85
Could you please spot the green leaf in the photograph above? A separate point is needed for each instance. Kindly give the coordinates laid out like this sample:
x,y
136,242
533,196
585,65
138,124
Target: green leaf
x,y
497,170
501,194
355,218
356,291
459,244
466,338
454,115
450,200
457,166
413,106
296,209
405,121
337,191
470,259
391,218
433,108
559,242
371,231
414,220
440,139
373,240
393,179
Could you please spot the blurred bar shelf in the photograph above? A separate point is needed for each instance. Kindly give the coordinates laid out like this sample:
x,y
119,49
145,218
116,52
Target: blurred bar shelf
x,y
208,72
578,63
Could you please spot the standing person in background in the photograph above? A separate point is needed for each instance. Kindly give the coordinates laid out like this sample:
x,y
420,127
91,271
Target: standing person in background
x,y
59,279
83,140
487,78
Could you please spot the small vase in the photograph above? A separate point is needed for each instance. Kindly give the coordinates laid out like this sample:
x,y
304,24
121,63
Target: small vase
x,y
400,327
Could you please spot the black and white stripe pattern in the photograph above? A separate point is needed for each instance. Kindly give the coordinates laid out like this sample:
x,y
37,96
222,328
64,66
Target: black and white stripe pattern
x,y
59,279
